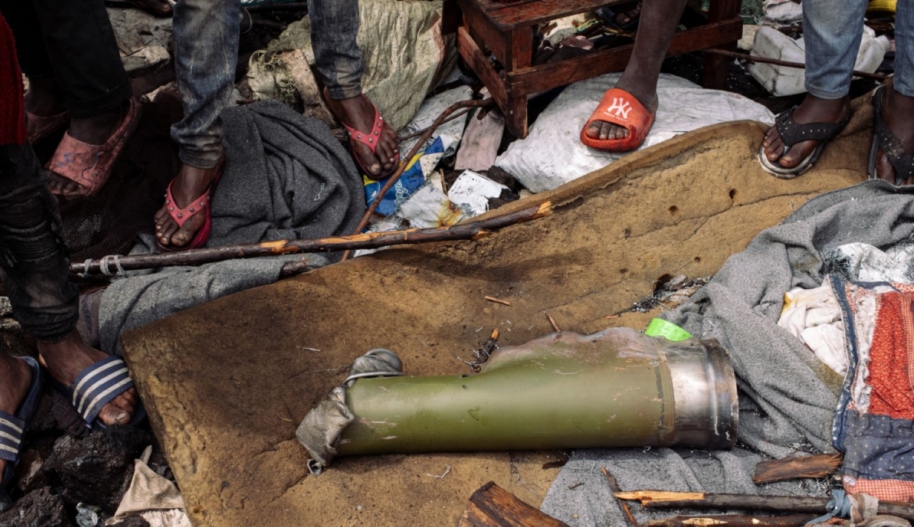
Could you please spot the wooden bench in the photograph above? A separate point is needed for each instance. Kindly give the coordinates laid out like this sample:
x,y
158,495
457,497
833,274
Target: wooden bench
x,y
505,29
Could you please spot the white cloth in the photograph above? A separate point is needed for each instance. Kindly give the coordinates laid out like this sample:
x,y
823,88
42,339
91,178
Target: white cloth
x,y
814,316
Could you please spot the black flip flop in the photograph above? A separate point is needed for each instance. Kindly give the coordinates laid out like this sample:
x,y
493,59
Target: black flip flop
x,y
13,427
791,133
886,140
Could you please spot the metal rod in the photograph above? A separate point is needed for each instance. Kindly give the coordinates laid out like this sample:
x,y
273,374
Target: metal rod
x,y
764,60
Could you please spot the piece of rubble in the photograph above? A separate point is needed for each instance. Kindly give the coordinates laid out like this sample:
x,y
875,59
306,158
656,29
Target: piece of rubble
x,y
97,469
88,515
40,508
29,473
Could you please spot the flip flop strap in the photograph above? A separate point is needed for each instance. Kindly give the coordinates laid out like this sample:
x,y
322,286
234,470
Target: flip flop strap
x,y
98,385
792,132
11,431
179,215
369,139
891,146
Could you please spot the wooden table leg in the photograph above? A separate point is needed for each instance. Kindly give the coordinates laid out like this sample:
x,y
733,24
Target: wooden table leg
x,y
715,66
520,44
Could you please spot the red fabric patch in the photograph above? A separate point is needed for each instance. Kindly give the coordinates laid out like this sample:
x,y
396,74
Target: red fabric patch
x,y
884,489
12,117
890,358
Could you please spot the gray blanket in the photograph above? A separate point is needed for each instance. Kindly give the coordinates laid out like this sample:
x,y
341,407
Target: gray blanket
x,y
286,177
787,397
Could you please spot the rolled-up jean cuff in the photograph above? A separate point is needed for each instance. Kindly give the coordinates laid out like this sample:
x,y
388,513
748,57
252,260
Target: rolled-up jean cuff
x,y
202,160
825,94
110,101
53,332
338,93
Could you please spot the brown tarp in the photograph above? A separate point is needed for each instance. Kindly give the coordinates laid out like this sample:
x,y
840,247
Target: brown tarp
x,y
227,383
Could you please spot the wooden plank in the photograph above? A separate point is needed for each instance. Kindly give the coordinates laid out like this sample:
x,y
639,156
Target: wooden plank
x,y
551,75
819,466
486,33
492,506
480,65
527,13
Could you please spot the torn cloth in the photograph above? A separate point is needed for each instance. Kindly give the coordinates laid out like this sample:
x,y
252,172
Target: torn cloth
x,y
286,177
787,396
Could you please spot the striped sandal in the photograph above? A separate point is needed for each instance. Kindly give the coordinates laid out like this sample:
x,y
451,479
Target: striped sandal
x,y
13,427
97,386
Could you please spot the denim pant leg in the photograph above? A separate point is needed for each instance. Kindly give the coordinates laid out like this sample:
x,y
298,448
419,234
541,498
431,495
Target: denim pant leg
x,y
338,59
206,34
832,30
33,258
72,41
903,81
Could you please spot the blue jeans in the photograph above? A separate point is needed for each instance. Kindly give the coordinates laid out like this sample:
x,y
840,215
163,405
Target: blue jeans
x,y
833,30
206,54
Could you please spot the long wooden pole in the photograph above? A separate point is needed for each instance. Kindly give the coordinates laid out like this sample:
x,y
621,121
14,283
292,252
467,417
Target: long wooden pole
x,y
405,162
374,240
661,499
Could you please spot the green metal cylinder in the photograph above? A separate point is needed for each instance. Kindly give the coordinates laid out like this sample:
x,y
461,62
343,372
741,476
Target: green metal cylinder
x,y
617,388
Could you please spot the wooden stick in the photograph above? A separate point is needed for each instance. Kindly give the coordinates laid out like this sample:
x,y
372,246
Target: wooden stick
x,y
497,301
462,231
552,321
413,151
765,60
819,466
614,486
661,499
732,520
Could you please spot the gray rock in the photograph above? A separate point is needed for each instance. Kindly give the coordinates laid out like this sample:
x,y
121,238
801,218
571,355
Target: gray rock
x,y
30,474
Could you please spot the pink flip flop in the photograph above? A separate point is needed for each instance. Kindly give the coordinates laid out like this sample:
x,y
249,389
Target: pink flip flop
x,y
197,206
369,139
42,126
90,165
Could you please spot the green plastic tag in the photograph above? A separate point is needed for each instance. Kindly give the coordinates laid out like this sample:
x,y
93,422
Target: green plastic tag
x,y
661,328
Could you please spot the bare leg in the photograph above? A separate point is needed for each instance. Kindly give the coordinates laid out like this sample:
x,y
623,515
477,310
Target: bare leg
x,y
15,378
659,19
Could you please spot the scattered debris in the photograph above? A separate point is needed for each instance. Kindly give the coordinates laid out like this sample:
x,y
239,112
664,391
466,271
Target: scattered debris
x,y
447,471
40,508
614,486
792,520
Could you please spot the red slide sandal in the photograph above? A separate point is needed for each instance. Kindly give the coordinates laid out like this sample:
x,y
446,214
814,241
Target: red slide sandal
x,y
620,108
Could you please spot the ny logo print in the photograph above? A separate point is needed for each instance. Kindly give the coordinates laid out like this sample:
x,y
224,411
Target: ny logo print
x,y
620,107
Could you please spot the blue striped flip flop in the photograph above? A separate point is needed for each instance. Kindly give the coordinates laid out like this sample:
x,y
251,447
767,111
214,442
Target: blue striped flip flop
x,y
97,386
13,427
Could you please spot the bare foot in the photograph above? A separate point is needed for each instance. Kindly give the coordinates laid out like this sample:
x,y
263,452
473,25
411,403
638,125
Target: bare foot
x,y
358,113
898,114
190,184
65,360
812,110
646,95
94,130
15,379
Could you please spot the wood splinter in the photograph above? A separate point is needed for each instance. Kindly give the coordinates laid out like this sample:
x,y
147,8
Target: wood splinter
x,y
498,301
552,321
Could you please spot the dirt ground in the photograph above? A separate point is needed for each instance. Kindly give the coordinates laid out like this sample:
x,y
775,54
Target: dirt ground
x,y
227,383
